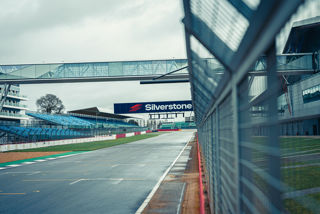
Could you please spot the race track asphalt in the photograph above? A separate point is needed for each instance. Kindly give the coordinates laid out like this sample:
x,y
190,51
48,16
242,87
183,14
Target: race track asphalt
x,y
112,180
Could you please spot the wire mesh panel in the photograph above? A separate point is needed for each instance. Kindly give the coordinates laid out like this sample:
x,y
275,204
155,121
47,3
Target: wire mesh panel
x,y
207,138
259,159
300,168
226,158
244,104
214,193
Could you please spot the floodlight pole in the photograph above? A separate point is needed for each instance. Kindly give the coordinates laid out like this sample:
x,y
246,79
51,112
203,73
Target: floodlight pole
x,y
274,159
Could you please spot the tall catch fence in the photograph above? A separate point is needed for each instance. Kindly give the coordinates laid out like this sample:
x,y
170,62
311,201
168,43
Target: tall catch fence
x,y
249,167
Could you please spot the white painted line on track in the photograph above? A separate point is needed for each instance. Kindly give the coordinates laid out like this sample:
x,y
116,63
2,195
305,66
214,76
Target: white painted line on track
x,y
29,173
117,181
67,155
28,163
114,180
33,173
59,157
155,188
77,181
13,165
35,161
181,198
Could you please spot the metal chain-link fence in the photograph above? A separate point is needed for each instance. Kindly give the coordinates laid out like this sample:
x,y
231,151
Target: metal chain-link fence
x,y
243,108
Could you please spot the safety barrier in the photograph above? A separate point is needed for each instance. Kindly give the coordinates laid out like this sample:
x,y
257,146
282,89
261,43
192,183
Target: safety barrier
x,y
235,84
168,130
21,146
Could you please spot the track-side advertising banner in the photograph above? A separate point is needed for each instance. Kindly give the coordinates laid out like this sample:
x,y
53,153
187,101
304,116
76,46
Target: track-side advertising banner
x,y
151,107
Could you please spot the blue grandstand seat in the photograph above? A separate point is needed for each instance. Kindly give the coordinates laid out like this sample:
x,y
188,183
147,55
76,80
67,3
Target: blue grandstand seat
x,y
64,120
108,123
41,133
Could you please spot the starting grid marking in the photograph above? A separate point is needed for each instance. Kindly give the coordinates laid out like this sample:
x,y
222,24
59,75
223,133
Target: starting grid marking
x,y
35,161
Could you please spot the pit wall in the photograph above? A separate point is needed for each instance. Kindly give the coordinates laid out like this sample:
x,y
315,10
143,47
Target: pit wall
x,y
168,130
20,146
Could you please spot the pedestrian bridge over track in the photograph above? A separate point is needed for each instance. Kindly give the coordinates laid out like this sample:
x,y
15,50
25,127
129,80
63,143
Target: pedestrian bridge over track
x,y
288,64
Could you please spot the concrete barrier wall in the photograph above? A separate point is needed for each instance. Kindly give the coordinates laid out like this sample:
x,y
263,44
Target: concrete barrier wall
x,y
137,133
168,130
10,147
120,135
130,134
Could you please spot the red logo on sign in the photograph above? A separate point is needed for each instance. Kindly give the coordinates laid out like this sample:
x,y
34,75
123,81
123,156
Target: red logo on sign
x,y
135,107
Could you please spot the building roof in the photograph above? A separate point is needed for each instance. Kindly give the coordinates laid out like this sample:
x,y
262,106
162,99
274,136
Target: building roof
x,y
95,111
304,36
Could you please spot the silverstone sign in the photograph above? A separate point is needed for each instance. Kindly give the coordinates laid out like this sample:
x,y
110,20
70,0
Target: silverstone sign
x,y
152,107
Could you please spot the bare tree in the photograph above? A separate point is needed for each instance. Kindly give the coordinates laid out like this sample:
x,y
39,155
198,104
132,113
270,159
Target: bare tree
x,y
50,103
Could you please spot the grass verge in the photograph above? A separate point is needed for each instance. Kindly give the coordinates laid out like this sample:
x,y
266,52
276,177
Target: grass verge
x,y
295,207
37,158
302,177
90,146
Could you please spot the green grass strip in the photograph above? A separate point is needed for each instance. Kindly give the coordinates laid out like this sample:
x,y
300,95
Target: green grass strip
x,y
294,207
90,146
302,177
38,158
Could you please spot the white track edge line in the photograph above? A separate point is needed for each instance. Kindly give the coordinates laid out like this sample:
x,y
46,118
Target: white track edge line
x,y
155,188
181,198
36,161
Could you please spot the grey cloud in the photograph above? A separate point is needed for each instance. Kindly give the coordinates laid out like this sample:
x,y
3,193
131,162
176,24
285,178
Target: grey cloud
x,y
128,30
82,95
33,15
93,30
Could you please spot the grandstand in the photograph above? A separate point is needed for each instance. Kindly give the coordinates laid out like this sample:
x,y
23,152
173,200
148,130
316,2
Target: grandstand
x,y
43,126
106,123
11,109
63,120
103,119
40,134
178,125
79,119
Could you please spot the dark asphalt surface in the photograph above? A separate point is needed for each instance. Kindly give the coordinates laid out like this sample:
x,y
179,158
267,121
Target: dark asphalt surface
x,y
111,180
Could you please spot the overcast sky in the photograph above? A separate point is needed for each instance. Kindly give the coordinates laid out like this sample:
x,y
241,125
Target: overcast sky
x,y
47,31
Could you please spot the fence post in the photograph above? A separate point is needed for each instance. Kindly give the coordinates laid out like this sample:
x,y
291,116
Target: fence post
x,y
274,162
235,128
217,156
